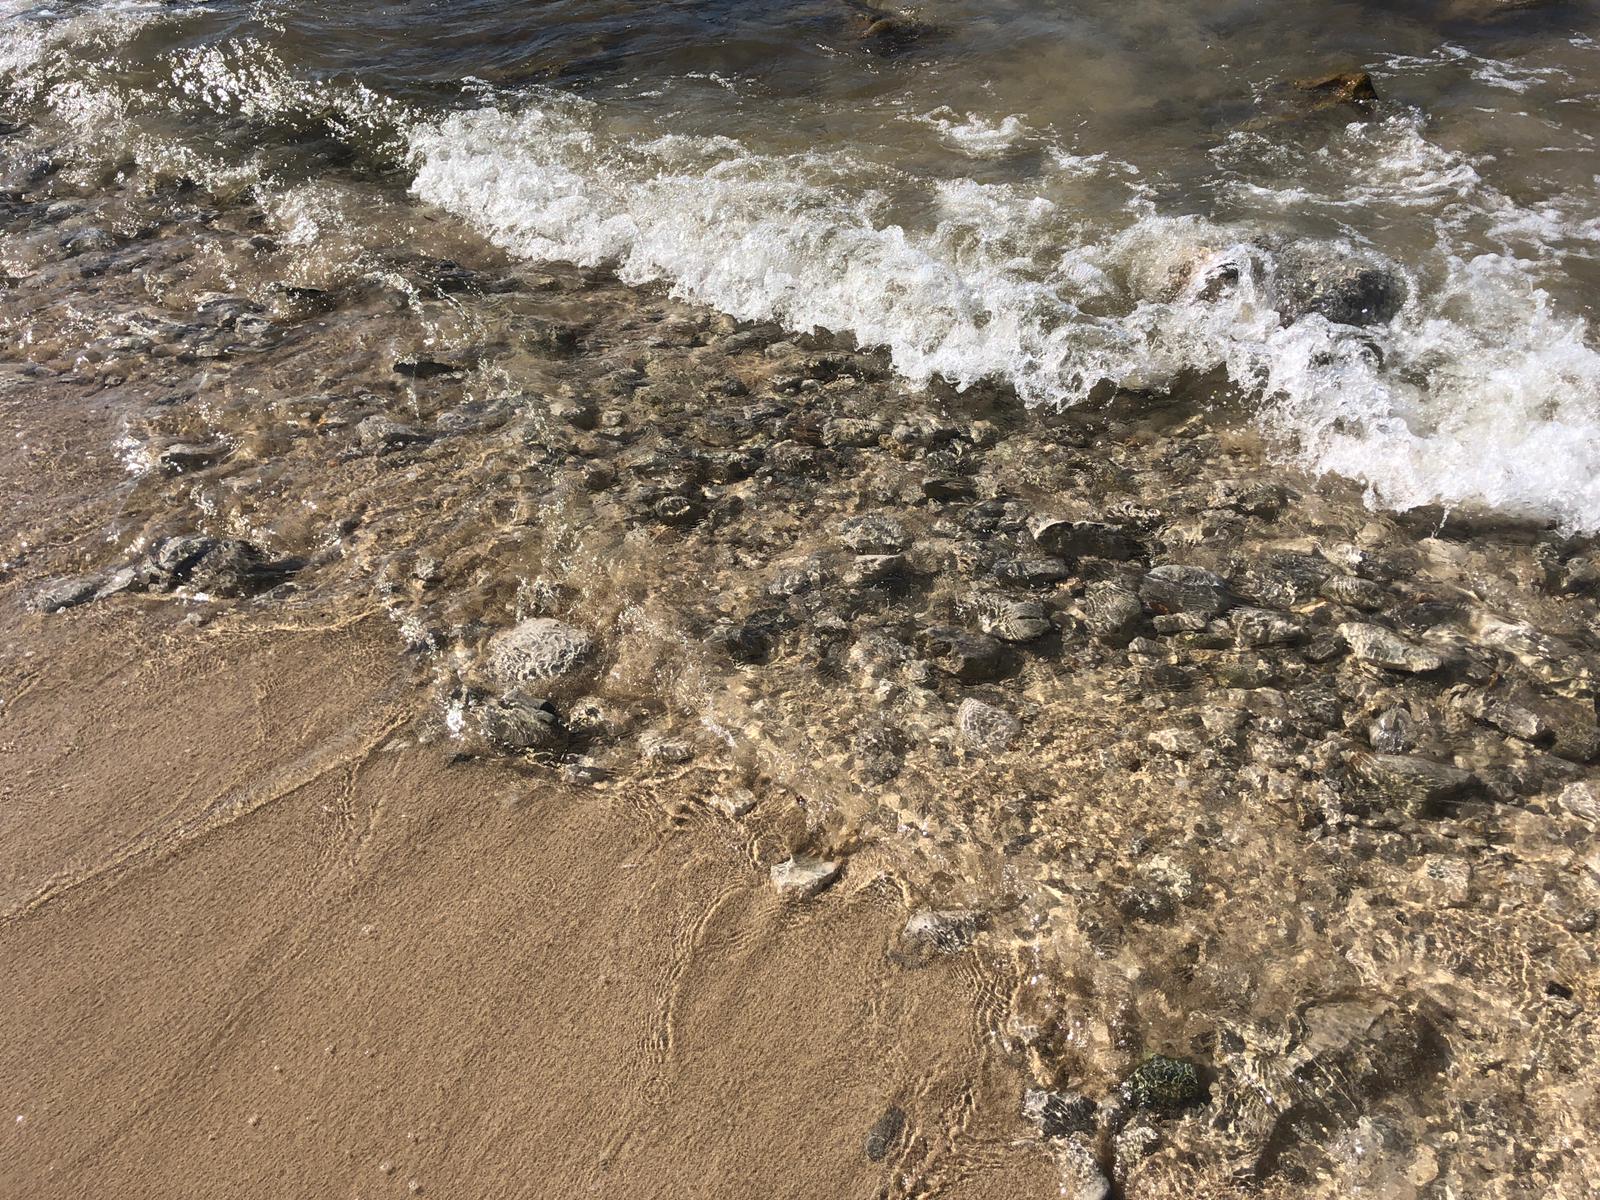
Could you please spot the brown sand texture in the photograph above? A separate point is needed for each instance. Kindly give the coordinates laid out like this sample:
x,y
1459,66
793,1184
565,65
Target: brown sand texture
x,y
259,943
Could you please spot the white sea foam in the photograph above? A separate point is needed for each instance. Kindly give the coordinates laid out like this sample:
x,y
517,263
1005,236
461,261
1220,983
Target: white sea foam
x,y
976,136
1479,390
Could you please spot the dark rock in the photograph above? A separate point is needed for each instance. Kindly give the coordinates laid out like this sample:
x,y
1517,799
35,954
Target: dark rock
x,y
873,570
1345,87
182,457
91,238
943,488
1342,287
1261,627
1354,591
851,432
581,414
970,657
1394,731
1016,620
64,593
885,1130
1142,903
1565,726
794,579
749,641
1030,571
1416,786
424,368
517,723
1163,1084
1072,540
1279,580
1325,647
1175,589
217,566
235,568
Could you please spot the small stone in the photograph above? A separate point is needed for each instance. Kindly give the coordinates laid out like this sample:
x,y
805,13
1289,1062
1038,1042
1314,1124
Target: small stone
x,y
1058,1114
1174,589
515,723
181,457
581,414
851,432
985,727
1016,621
89,238
874,534
584,771
1032,571
1384,648
665,751
1163,1084
873,570
1394,731
734,803
69,592
1112,612
1582,800
538,648
676,510
1262,627
1415,785
803,876
1353,591
1448,879
1081,1175
1072,540
380,434
883,1133
1510,717
970,657
1181,742
944,931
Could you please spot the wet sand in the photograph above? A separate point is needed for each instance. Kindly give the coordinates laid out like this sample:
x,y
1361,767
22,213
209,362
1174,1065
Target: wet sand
x,y
296,954
261,943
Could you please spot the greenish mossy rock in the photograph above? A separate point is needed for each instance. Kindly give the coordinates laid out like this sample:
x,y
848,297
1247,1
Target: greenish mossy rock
x,y
1164,1084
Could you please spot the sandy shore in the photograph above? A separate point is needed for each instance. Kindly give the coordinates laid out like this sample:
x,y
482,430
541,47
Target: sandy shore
x,y
409,686
261,943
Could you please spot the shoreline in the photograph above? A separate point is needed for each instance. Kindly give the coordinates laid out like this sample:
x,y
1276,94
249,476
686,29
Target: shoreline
x,y
1169,752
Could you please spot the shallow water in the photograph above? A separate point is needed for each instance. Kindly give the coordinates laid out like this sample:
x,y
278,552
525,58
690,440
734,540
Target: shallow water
x,y
310,257
1048,197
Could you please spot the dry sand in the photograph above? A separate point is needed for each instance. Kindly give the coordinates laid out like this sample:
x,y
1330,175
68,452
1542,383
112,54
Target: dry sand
x,y
259,942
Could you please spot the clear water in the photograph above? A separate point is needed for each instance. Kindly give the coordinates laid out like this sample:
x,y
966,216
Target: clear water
x,y
1044,196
